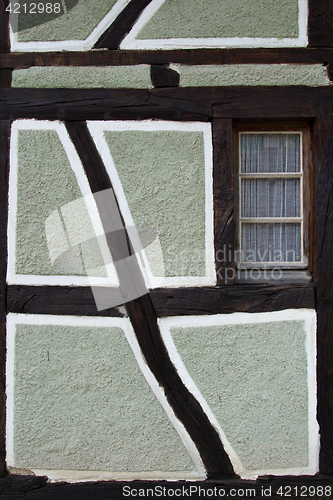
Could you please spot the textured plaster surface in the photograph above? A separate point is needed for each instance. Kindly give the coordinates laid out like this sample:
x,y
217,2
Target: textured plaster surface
x,y
83,77
230,18
254,378
252,74
47,183
81,18
81,403
163,177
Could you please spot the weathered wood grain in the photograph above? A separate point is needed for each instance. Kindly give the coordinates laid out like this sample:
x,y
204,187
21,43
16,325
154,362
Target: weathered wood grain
x,y
195,107
228,102
320,22
223,193
91,104
112,37
4,171
184,56
5,74
162,76
143,317
72,301
35,488
167,301
322,146
4,27
232,298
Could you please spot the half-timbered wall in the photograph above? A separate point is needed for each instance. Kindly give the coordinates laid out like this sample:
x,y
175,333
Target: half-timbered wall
x,y
132,348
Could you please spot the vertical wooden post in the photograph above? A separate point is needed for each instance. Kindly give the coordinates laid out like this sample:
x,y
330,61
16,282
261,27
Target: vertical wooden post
x,y
4,170
323,169
5,74
223,192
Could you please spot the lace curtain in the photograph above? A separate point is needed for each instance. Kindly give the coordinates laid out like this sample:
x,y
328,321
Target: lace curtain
x,y
270,188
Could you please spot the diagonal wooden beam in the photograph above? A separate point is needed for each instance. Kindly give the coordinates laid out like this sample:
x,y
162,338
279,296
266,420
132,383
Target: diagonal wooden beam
x,y
143,317
112,37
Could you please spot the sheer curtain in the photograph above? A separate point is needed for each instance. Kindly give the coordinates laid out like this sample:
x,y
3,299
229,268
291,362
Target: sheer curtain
x,y
265,192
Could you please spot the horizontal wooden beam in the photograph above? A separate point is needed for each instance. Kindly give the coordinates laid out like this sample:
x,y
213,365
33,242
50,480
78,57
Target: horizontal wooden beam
x,y
169,104
21,60
35,487
71,301
94,104
167,301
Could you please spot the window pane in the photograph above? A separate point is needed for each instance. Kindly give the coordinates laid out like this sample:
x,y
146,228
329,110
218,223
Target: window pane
x,y
270,153
270,198
271,242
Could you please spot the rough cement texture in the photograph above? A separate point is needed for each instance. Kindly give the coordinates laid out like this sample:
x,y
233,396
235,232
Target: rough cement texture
x,y
81,403
76,24
46,183
252,74
254,378
83,77
163,177
230,18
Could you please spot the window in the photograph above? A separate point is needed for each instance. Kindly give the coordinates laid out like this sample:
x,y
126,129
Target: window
x,y
272,203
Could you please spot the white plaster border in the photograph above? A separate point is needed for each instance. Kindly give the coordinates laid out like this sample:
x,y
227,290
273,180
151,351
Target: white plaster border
x,y
86,44
76,476
309,316
76,165
131,42
97,129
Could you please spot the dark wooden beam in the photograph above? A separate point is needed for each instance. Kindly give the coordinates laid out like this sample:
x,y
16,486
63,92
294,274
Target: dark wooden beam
x,y
143,317
64,300
23,60
228,299
4,171
169,104
223,192
162,76
320,23
112,37
232,298
6,73
92,104
322,147
38,488
4,27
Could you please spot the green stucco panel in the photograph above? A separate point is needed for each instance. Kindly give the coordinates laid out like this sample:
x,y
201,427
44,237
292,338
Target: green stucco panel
x,y
80,20
81,403
254,378
83,77
223,19
163,177
252,74
46,182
